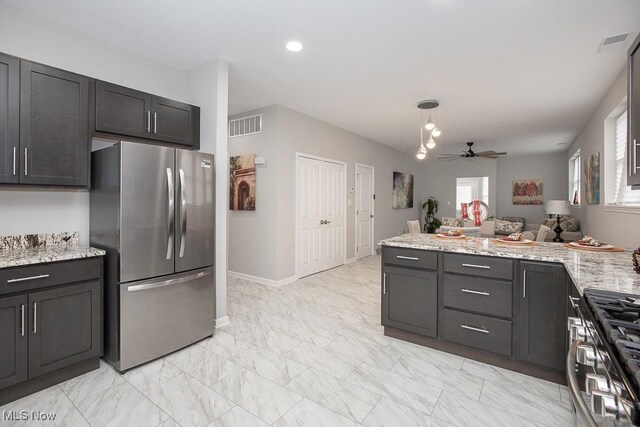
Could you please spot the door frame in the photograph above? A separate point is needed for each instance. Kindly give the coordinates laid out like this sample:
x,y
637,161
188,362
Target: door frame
x,y
300,155
373,209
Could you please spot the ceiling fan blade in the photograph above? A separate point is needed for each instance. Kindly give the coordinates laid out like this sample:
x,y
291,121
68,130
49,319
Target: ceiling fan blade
x,y
490,153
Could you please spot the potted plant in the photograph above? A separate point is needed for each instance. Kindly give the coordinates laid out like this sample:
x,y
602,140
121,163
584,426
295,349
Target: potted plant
x,y
431,223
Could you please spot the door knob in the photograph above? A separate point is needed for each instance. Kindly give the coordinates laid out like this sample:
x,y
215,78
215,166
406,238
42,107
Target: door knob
x,y
370,216
322,221
327,222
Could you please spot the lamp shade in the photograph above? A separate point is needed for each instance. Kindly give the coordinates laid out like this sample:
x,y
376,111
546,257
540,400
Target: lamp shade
x,y
558,207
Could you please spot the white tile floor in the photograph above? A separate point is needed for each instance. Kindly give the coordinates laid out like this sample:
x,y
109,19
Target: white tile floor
x,y
311,353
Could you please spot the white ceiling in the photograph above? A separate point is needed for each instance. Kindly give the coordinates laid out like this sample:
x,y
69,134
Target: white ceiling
x,y
514,75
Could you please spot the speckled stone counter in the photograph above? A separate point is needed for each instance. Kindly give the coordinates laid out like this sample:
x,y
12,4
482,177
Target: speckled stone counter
x,y
597,270
40,248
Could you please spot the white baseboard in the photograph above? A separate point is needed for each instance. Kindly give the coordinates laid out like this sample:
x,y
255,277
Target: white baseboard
x,y
262,280
350,260
222,321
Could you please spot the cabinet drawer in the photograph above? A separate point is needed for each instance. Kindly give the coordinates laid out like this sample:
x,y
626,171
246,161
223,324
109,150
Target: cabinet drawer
x,y
481,332
498,268
485,296
24,278
410,257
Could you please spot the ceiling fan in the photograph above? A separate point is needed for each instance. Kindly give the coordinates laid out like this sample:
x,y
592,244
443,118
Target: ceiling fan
x,y
470,154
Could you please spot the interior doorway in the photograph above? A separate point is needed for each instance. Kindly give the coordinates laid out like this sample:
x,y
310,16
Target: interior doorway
x,y
365,210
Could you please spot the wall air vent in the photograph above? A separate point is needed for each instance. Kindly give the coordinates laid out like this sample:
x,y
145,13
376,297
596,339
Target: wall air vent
x,y
613,42
245,126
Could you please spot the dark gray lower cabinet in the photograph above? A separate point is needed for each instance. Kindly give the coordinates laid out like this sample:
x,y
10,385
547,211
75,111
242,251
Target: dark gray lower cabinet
x,y
13,340
65,327
543,314
410,300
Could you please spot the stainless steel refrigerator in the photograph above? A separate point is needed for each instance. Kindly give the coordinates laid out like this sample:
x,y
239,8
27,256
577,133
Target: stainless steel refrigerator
x,y
152,210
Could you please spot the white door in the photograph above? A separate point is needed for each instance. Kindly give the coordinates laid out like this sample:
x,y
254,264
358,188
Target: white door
x,y
364,210
321,222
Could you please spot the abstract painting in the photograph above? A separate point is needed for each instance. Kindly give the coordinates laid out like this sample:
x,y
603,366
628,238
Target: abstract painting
x,y
402,190
592,181
527,192
242,183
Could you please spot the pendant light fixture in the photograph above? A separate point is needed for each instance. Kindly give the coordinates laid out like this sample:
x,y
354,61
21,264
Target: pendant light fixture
x,y
430,126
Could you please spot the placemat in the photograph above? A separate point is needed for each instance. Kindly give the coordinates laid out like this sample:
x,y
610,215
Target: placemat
x,y
576,248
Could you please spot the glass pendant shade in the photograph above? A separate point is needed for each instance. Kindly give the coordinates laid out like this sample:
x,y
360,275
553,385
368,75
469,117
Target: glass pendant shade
x,y
422,152
429,125
431,143
436,132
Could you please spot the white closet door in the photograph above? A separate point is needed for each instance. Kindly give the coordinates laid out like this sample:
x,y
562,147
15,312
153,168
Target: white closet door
x,y
364,211
320,210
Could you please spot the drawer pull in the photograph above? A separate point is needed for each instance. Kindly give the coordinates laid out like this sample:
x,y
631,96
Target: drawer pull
x,y
486,267
473,328
21,320
35,317
471,291
24,279
410,258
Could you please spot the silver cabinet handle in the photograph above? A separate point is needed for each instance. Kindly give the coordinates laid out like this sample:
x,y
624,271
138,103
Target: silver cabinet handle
x,y
155,122
635,154
183,213
384,284
24,279
26,161
410,258
148,121
35,317
473,328
524,284
21,319
14,161
170,212
471,291
486,267
163,283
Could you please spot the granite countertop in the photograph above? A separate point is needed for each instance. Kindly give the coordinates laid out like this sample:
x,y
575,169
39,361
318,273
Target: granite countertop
x,y
41,248
597,270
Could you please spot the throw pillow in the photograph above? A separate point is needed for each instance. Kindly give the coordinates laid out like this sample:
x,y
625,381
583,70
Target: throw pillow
x,y
549,222
452,222
570,224
514,219
542,233
504,228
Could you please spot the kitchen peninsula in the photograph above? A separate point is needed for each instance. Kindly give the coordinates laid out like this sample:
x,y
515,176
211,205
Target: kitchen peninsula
x,y
507,306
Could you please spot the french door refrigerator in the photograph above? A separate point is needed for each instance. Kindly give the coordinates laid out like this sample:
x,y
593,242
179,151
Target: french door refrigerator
x,y
152,210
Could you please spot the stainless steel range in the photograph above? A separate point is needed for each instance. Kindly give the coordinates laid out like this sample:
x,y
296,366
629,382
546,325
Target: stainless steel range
x,y
603,364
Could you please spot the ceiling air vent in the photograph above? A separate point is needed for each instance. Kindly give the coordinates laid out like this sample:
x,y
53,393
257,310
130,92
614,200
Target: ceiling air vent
x,y
245,126
613,42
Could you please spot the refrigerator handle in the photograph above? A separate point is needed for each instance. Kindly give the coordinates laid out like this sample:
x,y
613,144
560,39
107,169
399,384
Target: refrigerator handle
x,y
170,212
183,213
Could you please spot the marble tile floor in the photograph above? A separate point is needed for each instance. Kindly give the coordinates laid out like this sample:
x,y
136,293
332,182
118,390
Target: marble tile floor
x,y
311,353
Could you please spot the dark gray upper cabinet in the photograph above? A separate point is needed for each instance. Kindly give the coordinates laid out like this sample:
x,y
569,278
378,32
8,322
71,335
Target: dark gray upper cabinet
x,y
13,340
131,113
9,119
122,111
633,116
410,300
54,126
543,314
65,327
175,122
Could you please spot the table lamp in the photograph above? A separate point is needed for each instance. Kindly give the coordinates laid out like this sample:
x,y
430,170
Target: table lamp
x,y
558,207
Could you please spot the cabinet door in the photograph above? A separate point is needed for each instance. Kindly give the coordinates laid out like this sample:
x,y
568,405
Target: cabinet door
x,y
65,327
409,300
13,340
175,122
54,126
543,314
9,119
122,111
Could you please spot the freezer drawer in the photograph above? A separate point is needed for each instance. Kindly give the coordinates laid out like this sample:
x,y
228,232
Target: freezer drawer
x,y
163,315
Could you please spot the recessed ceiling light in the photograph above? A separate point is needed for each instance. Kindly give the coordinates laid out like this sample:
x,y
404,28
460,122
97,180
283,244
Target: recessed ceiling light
x,y
294,46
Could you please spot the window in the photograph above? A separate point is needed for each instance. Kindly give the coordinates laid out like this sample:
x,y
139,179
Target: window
x,y
574,179
469,189
622,195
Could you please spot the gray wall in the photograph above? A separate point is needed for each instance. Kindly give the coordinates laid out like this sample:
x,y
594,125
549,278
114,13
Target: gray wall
x,y
271,228
615,226
551,168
